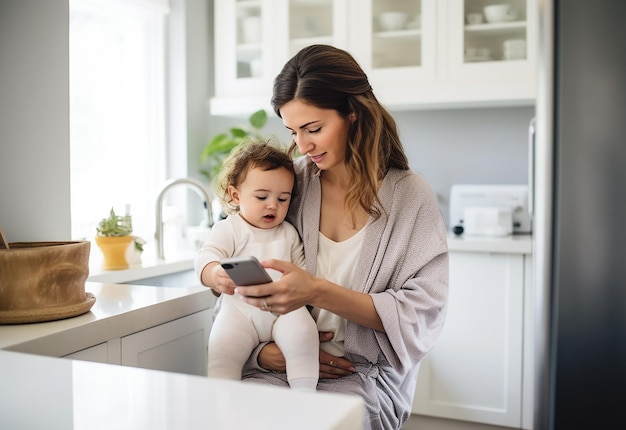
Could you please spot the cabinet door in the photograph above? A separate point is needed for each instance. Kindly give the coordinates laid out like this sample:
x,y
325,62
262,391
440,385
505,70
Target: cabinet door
x,y
98,353
474,373
106,352
310,22
528,382
177,346
244,60
490,60
395,43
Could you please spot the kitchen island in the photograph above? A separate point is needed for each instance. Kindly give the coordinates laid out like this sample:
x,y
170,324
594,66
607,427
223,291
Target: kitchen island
x,y
152,328
42,392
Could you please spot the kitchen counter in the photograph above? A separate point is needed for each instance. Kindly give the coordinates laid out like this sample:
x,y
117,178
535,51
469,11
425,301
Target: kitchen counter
x,y
44,392
514,244
119,310
132,323
150,266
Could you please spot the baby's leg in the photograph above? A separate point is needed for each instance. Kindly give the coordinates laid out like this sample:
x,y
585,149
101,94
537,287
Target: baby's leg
x,y
232,339
296,335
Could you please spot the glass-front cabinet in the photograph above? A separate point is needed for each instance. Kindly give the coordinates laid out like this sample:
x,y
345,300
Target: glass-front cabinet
x,y
310,22
491,46
243,54
417,53
395,42
493,32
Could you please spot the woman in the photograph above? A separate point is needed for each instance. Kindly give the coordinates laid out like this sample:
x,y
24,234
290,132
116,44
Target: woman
x,y
375,243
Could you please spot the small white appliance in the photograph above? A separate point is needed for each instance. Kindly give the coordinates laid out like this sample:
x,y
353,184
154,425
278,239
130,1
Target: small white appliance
x,y
489,210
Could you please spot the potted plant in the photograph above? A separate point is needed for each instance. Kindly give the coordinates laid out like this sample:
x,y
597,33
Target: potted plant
x,y
218,148
114,235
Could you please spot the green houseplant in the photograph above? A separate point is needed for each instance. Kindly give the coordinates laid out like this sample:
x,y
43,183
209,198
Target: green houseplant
x,y
218,148
114,235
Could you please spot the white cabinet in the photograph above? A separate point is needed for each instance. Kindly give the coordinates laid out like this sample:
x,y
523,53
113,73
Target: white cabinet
x,y
476,370
432,57
400,60
243,49
310,22
489,61
177,346
254,38
98,353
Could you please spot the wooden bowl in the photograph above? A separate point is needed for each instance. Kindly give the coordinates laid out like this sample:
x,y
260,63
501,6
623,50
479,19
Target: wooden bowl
x,y
44,281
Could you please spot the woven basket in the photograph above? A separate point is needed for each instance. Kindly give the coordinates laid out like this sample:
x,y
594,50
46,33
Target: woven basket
x,y
44,281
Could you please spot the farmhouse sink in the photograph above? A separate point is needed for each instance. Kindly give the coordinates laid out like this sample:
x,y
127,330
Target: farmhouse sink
x,y
186,278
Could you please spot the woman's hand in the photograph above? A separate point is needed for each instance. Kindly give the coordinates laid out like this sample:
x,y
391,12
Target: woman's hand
x,y
331,367
294,289
271,358
297,288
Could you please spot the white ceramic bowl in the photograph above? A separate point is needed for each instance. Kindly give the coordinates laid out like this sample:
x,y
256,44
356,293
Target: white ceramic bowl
x,y
474,18
391,21
500,13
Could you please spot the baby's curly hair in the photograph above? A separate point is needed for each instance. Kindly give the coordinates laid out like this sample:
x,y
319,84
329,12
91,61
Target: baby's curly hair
x,y
266,154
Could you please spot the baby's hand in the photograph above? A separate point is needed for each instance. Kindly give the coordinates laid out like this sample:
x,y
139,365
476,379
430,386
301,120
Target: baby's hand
x,y
221,281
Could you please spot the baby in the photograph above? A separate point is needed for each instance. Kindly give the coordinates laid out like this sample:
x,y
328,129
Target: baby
x,y
256,184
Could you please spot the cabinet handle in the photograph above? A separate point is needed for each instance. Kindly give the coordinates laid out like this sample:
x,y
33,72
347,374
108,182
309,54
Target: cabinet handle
x,y
531,167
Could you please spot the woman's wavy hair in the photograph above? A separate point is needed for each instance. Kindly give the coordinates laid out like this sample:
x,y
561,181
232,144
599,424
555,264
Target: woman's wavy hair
x,y
330,78
266,154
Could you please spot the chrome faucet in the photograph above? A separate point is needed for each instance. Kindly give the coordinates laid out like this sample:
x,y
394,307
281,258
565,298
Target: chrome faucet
x,y
194,184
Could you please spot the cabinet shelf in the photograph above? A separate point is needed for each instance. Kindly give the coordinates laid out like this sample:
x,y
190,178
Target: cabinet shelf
x,y
399,34
313,40
496,28
245,4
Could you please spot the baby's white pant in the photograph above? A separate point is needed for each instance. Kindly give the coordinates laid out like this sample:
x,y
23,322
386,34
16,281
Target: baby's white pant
x,y
239,327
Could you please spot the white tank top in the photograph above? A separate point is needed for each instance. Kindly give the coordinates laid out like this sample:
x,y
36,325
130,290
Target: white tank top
x,y
336,262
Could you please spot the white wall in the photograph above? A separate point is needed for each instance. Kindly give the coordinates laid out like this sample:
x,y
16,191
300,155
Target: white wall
x,y
34,120
467,146
34,110
451,146
189,74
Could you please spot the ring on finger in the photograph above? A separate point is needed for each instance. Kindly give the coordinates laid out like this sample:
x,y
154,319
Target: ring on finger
x,y
266,307
332,363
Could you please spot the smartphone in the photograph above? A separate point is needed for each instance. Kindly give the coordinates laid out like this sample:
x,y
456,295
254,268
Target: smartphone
x,y
245,271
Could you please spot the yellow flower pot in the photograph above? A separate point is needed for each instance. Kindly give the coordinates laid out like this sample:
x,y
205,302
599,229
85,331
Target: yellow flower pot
x,y
114,251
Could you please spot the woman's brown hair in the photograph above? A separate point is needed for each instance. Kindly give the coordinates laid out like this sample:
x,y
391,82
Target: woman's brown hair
x,y
330,78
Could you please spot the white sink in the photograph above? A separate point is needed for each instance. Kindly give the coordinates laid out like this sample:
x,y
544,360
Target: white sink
x,y
185,278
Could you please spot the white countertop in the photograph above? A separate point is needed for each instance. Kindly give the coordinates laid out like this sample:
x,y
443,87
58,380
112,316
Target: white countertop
x,y
119,310
179,261
514,244
42,392
150,266
137,302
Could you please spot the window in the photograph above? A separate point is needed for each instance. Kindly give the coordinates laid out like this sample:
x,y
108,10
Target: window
x,y
117,111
